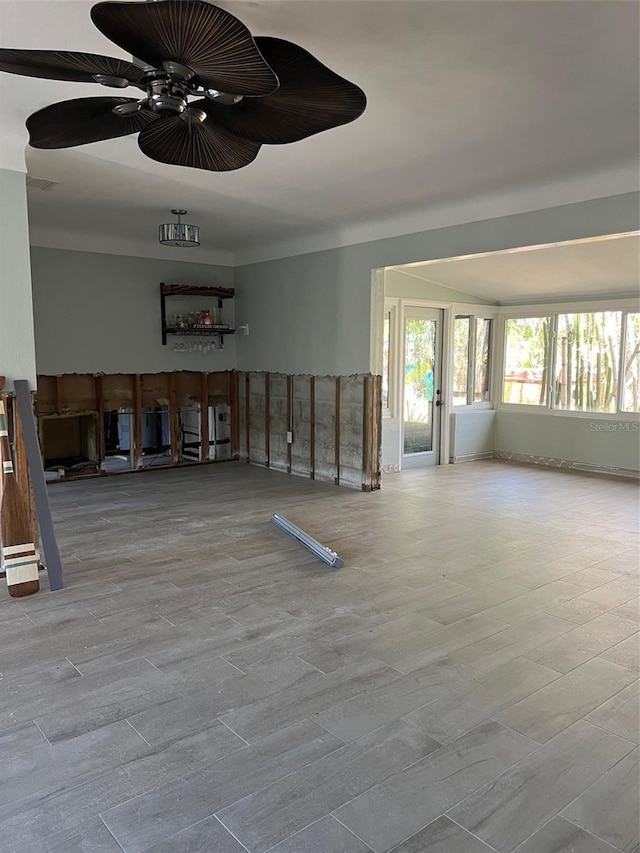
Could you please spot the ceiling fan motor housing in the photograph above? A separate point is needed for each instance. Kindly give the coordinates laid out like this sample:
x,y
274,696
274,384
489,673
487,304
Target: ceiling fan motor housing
x,y
167,95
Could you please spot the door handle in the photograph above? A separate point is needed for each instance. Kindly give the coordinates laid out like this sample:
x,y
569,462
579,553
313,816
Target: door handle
x,y
439,403
439,395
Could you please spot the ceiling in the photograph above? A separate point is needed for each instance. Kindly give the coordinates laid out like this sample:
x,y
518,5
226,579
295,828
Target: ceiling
x,y
465,100
588,268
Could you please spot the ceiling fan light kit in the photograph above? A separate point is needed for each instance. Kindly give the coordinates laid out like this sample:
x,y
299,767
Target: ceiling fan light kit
x,y
213,94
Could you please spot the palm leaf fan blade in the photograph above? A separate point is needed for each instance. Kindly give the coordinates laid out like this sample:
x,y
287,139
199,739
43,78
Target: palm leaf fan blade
x,y
201,145
83,120
67,65
311,99
214,44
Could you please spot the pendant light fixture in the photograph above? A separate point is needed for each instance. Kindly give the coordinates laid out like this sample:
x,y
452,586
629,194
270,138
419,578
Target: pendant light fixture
x,y
179,233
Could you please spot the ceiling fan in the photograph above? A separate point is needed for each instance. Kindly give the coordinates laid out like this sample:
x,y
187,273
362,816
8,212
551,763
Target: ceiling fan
x,y
248,91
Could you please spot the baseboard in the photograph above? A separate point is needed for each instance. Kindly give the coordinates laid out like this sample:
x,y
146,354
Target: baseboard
x,y
566,464
472,457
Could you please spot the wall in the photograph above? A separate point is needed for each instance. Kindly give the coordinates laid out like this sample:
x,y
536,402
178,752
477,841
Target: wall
x,y
17,355
311,313
592,443
472,435
403,285
97,313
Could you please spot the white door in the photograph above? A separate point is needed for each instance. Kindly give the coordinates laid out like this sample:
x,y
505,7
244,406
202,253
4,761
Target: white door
x,y
421,387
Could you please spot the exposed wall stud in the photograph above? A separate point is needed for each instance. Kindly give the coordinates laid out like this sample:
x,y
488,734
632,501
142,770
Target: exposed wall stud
x,y
337,433
267,418
100,410
136,380
174,419
289,419
204,417
312,428
58,395
247,415
234,414
366,433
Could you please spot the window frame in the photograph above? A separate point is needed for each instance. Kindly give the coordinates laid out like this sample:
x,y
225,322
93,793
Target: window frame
x,y
392,307
551,310
474,317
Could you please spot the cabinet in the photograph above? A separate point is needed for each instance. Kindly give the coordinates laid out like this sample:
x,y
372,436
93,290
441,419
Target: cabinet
x,y
217,329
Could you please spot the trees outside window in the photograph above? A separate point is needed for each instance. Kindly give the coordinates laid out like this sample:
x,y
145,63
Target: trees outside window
x,y
526,352
579,362
587,361
471,360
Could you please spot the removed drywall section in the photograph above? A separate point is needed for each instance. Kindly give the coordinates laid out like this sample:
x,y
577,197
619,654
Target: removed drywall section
x,y
108,423
257,419
301,449
324,428
279,423
325,467
101,313
351,430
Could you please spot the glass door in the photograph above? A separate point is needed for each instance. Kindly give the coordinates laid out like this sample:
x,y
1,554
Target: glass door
x,y
422,396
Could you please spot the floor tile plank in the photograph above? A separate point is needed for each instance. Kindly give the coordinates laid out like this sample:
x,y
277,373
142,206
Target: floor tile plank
x,y
520,801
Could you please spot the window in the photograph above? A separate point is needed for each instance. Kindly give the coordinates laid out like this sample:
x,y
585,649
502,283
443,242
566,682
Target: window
x,y
386,344
525,374
471,360
481,391
461,361
631,379
583,362
587,361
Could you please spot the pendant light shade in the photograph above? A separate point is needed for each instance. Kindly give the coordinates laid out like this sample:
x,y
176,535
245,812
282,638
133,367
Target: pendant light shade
x,y
179,233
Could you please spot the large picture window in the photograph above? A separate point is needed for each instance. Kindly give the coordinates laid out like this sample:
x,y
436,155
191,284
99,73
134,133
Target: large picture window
x,y
526,350
579,362
587,361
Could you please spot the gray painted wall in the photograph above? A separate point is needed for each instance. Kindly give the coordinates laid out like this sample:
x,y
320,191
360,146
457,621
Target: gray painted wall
x,y
98,313
311,313
577,439
17,354
471,433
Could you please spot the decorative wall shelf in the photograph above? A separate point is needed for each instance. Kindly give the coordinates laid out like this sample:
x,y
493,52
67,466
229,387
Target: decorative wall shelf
x,y
196,329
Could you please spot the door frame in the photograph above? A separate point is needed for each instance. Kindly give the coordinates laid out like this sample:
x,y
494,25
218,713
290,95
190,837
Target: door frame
x,y
412,461
380,304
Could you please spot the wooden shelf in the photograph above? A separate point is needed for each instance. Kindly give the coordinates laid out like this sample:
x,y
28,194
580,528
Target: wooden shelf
x,y
187,290
218,293
214,330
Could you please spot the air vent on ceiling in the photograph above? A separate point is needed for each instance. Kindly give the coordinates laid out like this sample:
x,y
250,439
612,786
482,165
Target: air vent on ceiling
x,y
41,183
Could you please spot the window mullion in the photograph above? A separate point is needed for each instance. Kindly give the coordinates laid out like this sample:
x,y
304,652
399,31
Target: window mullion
x,y
621,363
471,364
551,361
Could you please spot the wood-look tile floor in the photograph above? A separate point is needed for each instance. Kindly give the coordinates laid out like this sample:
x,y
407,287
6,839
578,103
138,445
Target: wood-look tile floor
x,y
468,682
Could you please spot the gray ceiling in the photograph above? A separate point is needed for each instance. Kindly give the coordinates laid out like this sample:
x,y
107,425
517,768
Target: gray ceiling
x,y
589,268
466,99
